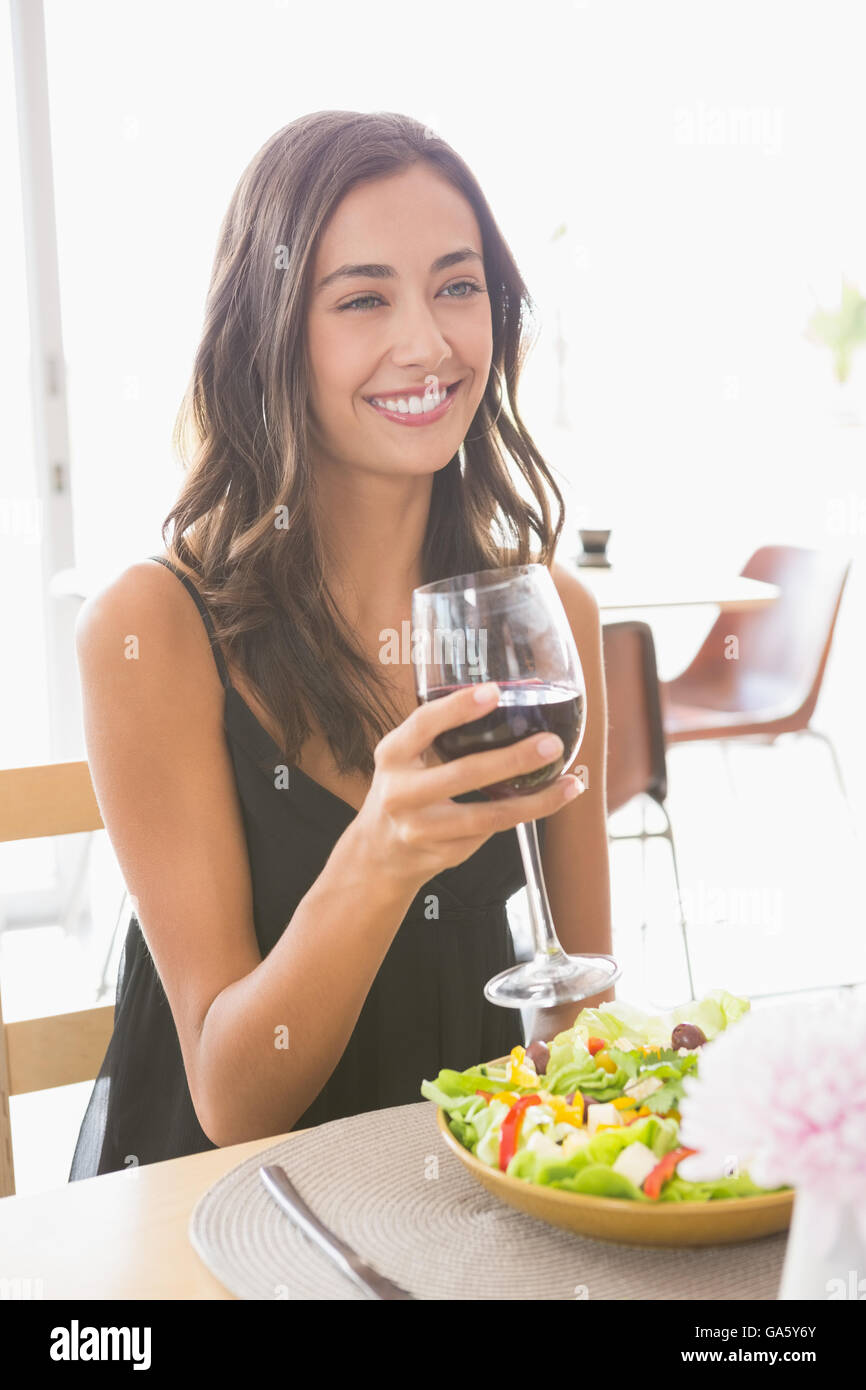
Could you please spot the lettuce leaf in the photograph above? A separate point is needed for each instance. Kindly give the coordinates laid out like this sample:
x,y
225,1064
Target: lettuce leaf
x,y
454,1091
466,1083
671,1071
454,1105
571,1068
597,1181
466,1133
712,1014
621,1020
678,1190
532,1166
658,1134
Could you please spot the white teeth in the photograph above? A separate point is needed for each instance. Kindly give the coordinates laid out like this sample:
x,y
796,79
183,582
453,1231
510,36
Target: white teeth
x,y
412,405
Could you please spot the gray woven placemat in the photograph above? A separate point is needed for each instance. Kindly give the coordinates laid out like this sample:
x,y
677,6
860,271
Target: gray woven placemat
x,y
388,1185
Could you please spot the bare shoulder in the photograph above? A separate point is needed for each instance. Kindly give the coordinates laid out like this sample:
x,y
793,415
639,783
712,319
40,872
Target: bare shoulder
x,y
142,586
147,616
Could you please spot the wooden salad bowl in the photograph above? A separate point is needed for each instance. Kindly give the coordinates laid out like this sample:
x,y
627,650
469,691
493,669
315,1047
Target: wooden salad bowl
x,y
723,1221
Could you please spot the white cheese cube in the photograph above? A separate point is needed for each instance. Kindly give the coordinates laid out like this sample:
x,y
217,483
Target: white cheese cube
x,y
602,1115
562,1130
636,1162
535,1115
542,1143
640,1089
574,1141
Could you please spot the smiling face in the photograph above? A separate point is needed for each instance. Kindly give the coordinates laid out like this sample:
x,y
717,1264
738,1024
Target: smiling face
x,y
404,315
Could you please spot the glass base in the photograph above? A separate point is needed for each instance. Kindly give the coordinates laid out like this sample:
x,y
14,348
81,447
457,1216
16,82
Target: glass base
x,y
547,981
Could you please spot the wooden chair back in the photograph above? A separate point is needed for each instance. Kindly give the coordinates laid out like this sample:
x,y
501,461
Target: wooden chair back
x,y
37,1054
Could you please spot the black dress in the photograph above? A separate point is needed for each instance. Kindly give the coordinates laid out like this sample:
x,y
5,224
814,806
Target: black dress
x,y
425,1009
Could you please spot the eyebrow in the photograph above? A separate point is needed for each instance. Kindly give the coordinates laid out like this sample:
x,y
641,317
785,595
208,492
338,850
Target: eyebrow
x,y
387,272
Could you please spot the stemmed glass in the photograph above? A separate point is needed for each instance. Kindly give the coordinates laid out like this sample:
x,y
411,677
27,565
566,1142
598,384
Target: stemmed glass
x,y
509,626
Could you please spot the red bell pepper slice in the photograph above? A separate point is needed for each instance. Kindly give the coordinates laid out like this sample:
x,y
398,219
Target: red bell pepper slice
x,y
663,1171
595,1045
511,1129
488,1095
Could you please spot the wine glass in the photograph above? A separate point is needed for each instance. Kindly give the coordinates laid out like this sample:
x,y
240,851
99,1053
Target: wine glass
x,y
509,626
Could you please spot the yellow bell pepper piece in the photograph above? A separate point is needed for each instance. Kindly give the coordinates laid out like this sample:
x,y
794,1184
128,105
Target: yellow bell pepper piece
x,y
563,1113
517,1073
577,1108
521,1077
604,1061
623,1102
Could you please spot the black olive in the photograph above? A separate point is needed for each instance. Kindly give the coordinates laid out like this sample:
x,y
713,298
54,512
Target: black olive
x,y
539,1054
687,1035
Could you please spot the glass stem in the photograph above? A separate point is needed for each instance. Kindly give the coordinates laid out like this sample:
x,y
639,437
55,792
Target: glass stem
x,y
544,937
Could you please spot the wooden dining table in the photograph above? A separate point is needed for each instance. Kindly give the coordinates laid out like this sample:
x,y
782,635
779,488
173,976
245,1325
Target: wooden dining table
x,y
122,1235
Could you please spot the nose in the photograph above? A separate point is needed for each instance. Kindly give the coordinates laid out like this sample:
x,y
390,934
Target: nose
x,y
418,340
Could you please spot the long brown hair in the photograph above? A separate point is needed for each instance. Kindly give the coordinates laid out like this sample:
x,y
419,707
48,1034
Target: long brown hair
x,y
244,521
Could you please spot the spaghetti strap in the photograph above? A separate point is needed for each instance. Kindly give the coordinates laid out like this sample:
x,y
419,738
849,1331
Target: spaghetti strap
x,y
208,621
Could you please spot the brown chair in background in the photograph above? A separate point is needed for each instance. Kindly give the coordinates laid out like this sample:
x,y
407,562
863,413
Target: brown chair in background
x,y
62,1049
758,673
636,745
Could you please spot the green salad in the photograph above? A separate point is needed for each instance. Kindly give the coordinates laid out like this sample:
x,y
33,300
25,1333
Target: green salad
x,y
596,1110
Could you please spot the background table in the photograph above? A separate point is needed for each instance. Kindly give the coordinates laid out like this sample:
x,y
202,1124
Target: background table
x,y
624,587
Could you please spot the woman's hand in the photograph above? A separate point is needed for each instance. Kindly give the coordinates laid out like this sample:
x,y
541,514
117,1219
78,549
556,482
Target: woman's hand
x,y
410,828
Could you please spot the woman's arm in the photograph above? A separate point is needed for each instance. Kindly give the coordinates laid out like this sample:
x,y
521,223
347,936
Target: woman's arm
x,y
153,716
575,853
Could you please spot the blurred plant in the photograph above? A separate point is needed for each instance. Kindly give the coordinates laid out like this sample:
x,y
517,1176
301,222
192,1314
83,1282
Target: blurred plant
x,y
840,329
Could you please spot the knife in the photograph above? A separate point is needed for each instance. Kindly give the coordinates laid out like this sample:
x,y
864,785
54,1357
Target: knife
x,y
284,1192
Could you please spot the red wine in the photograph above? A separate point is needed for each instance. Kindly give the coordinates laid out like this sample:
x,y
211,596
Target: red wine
x,y
525,708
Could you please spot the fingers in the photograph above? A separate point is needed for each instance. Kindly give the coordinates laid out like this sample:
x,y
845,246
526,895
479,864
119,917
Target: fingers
x,y
488,818
409,740
462,824
478,770
421,800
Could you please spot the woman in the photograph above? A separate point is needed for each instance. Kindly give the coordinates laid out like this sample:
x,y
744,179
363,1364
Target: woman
x,y
315,914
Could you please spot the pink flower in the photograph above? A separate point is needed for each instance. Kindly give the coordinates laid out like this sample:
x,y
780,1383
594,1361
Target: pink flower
x,y
781,1095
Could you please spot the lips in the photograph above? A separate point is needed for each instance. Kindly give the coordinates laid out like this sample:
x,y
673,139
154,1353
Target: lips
x,y
421,418
405,392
